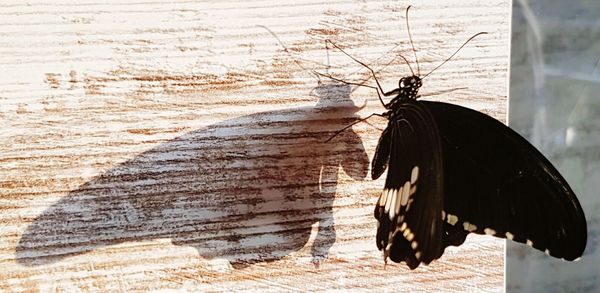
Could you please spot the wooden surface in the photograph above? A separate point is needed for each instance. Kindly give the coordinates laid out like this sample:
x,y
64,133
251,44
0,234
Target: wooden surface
x,y
156,145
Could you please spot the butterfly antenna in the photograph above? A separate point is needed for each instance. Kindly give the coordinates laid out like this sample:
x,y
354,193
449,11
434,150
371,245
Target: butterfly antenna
x,y
412,45
481,33
407,63
287,51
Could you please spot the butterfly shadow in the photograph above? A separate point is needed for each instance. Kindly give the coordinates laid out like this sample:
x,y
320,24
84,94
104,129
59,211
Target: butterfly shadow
x,y
247,190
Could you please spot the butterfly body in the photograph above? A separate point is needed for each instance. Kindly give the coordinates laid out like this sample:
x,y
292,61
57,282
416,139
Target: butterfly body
x,y
454,171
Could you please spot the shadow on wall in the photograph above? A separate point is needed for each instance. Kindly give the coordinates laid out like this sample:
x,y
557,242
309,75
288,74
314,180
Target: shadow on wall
x,y
246,190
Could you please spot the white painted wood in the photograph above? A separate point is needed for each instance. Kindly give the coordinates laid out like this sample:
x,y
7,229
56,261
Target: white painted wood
x,y
157,145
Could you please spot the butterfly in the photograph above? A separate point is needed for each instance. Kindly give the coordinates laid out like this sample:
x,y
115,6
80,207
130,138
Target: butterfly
x,y
452,171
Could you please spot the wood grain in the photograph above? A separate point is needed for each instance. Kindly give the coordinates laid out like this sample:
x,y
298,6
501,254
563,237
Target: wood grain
x,y
156,145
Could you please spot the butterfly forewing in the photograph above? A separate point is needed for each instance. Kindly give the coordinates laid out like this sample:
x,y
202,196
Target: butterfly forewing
x,y
409,209
382,153
496,183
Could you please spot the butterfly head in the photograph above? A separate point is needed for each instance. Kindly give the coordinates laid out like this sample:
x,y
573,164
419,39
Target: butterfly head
x,y
410,85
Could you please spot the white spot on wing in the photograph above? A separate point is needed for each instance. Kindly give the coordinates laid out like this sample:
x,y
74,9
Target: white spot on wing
x,y
452,219
509,236
393,200
388,201
383,197
418,255
408,204
397,194
414,175
405,193
406,232
403,227
414,245
489,231
529,242
443,215
400,219
413,190
469,227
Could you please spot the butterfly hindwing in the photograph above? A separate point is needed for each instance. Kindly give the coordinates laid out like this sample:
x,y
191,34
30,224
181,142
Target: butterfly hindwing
x,y
497,183
409,209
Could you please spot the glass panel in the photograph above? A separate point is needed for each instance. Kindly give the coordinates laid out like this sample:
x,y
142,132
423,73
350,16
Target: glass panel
x,y
555,103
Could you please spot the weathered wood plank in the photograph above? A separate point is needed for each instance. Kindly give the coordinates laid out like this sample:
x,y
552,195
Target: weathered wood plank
x,y
155,145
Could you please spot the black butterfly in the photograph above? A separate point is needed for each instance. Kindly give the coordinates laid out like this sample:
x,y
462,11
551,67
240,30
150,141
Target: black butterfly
x,y
454,171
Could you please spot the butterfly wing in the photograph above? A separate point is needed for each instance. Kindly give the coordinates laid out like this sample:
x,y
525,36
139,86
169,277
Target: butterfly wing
x,y
498,184
382,153
409,208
